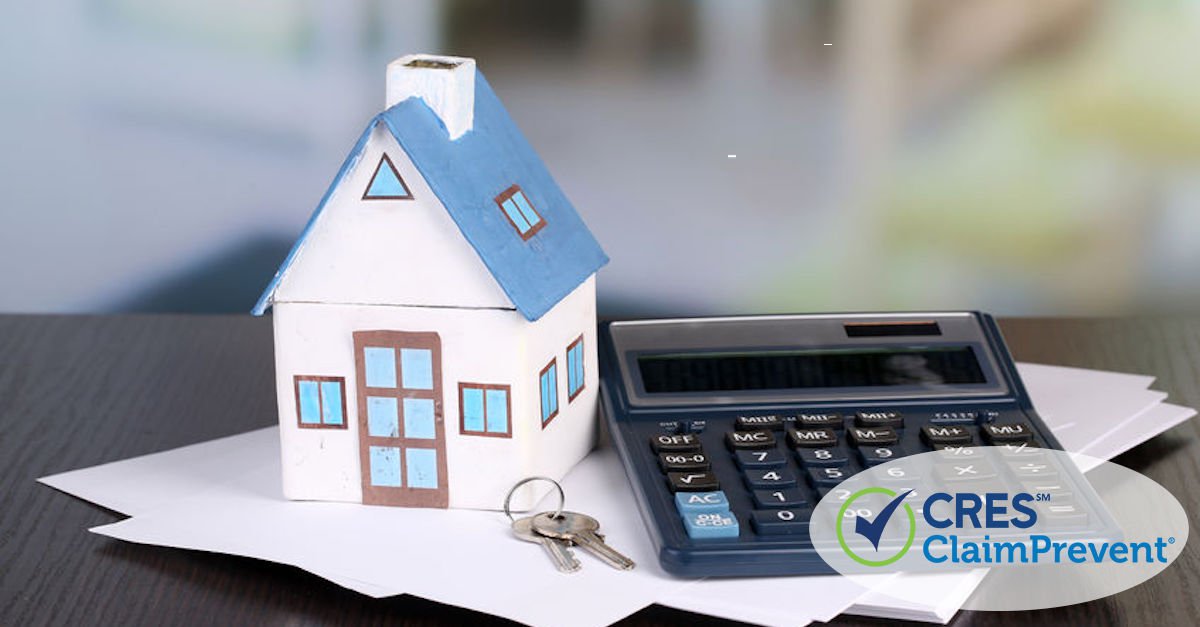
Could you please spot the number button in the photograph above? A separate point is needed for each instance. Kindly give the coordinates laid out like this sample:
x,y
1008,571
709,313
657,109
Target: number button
x,y
873,455
767,458
771,478
814,457
827,477
786,497
781,521
750,439
682,462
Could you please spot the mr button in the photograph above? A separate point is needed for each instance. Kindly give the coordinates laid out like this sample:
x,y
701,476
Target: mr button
x,y
750,439
812,438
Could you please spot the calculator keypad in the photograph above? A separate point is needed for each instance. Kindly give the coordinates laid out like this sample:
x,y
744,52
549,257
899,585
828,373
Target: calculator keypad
x,y
783,476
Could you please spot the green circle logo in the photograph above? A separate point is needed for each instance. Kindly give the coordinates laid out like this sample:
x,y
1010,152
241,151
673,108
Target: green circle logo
x,y
912,528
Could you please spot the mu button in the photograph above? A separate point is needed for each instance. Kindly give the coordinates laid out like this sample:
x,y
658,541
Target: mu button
x,y
1015,432
750,439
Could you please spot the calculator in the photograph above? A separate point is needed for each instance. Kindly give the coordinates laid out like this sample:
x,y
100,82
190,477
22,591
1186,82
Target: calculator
x,y
751,420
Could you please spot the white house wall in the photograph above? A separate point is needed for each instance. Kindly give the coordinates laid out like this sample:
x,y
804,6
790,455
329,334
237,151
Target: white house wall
x,y
477,346
388,252
570,435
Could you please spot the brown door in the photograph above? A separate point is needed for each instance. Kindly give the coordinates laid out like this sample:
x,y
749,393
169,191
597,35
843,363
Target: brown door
x,y
402,436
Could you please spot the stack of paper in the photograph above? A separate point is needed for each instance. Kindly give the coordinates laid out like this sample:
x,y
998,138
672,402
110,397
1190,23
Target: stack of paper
x,y
224,496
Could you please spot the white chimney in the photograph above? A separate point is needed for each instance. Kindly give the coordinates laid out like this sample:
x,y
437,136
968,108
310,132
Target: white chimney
x,y
446,84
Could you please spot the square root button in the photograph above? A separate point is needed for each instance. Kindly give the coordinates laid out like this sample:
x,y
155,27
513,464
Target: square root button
x,y
701,502
710,525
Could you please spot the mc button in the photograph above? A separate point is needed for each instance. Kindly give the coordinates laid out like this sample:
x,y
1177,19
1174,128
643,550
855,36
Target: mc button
x,y
750,439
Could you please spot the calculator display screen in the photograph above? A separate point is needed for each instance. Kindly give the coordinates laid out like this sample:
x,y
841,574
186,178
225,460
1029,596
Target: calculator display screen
x,y
806,369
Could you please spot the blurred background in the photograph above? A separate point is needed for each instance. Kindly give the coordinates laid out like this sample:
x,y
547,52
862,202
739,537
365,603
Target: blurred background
x,y
1018,156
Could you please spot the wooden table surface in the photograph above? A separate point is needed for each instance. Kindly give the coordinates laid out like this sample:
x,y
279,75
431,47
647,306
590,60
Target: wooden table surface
x,y
81,390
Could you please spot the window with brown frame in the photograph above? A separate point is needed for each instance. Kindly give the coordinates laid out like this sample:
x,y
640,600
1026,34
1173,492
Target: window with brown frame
x,y
574,368
386,183
484,409
320,402
548,382
520,212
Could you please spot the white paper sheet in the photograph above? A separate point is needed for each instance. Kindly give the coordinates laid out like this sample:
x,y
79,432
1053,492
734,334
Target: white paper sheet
x,y
1083,405
224,496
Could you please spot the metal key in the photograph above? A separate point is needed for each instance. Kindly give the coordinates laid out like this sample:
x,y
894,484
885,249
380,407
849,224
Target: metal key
x,y
580,530
557,549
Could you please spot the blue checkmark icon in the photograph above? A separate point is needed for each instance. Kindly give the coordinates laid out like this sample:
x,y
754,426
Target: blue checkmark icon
x,y
872,530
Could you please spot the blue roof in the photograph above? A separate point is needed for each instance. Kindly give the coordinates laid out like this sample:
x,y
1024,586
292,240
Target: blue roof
x,y
467,174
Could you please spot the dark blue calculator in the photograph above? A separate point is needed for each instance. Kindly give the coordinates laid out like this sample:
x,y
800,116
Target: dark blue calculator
x,y
731,429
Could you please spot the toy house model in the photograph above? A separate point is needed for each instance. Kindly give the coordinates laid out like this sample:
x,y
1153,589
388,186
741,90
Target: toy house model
x,y
435,323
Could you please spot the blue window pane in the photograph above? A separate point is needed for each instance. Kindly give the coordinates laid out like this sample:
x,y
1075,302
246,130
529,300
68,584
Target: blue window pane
x,y
421,465
418,418
549,384
497,411
385,466
472,409
575,369
514,213
381,367
416,368
331,402
310,403
386,182
531,216
545,400
382,419
578,368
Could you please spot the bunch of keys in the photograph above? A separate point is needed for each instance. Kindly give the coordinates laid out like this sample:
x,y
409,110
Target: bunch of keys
x,y
560,530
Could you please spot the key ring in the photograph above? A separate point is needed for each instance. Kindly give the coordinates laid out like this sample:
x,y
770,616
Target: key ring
x,y
562,499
